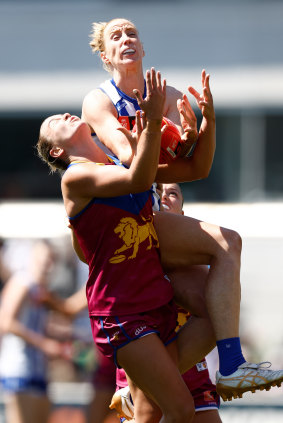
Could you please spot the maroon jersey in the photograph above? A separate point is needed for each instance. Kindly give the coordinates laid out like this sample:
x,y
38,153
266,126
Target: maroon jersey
x,y
120,244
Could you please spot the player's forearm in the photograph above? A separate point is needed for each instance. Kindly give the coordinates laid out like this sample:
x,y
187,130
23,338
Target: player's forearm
x,y
124,151
144,165
203,154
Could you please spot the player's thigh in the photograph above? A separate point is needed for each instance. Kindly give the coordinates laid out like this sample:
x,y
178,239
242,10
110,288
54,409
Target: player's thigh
x,y
185,241
189,288
149,365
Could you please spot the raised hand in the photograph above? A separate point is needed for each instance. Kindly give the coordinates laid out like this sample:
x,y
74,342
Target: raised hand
x,y
187,115
134,135
188,120
204,100
153,104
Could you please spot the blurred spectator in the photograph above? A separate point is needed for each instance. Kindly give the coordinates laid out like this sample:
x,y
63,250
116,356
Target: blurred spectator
x,y
25,346
104,372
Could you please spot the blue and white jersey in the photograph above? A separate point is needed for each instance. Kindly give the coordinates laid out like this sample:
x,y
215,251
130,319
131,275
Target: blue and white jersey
x,y
126,108
126,111
125,105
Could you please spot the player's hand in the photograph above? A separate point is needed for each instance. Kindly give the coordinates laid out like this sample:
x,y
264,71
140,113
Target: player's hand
x,y
134,135
204,100
188,120
189,124
153,104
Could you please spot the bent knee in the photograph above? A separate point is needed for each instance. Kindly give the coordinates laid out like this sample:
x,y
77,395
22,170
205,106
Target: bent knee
x,y
232,240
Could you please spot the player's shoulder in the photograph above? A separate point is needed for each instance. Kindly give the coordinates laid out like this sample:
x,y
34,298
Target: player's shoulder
x,y
76,171
96,99
96,94
172,92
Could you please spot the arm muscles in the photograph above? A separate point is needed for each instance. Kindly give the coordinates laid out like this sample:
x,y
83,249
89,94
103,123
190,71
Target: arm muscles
x,y
171,111
100,114
83,182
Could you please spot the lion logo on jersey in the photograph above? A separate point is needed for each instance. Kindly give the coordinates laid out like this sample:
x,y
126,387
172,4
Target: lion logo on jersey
x,y
132,235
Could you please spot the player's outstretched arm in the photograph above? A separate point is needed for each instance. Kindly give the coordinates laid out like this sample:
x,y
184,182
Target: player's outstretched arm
x,y
198,165
99,112
86,181
205,147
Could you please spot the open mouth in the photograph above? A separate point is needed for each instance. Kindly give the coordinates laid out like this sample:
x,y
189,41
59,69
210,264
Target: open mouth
x,y
129,51
165,206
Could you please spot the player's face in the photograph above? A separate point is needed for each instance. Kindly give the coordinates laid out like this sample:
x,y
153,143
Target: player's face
x,y
122,43
172,198
62,128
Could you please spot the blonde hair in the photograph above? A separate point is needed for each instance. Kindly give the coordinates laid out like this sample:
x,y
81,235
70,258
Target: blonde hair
x,y
97,38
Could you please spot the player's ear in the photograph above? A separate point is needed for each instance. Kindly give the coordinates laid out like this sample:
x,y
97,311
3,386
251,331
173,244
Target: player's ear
x,y
56,152
143,52
104,58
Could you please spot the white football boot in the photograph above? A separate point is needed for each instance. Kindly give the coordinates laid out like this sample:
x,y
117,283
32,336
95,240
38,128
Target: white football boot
x,y
249,377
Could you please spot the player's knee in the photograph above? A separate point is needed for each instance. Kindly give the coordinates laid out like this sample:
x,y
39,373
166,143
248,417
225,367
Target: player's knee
x,y
233,242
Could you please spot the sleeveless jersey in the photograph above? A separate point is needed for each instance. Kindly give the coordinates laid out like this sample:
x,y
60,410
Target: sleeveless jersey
x,y
126,108
125,105
120,245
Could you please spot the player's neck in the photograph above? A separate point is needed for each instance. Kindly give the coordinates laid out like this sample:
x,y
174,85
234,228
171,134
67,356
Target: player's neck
x,y
129,81
89,155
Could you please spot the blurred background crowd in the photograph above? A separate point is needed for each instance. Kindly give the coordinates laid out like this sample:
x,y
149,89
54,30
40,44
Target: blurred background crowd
x,y
47,67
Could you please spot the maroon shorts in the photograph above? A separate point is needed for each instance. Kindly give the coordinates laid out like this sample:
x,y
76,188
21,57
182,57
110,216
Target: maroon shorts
x,y
113,332
202,389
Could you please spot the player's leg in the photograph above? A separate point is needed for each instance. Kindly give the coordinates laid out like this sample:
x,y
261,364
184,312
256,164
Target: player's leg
x,y
153,370
185,241
189,288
